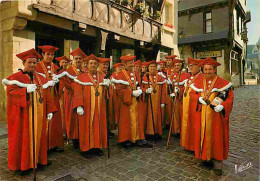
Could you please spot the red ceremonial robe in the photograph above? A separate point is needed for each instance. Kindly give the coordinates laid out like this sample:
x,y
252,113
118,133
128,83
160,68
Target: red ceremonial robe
x,y
93,124
55,135
61,95
71,116
157,83
213,137
129,124
114,103
19,121
190,115
176,118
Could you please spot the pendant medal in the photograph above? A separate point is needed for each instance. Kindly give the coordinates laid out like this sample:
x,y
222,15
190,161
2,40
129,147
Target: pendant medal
x,y
207,101
97,94
41,100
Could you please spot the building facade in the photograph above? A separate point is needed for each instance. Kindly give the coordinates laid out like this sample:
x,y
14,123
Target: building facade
x,y
252,66
215,28
107,28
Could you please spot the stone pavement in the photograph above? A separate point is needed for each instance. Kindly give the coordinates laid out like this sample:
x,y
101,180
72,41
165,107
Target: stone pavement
x,y
158,163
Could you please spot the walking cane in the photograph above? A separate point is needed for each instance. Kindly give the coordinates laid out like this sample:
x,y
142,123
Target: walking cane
x,y
107,115
151,103
33,134
172,118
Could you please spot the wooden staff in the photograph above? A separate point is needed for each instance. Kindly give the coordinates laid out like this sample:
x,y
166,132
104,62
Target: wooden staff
x,y
172,118
107,113
33,134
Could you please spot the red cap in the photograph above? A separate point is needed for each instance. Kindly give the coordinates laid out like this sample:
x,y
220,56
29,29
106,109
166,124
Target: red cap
x,y
138,62
209,61
171,57
178,61
63,57
104,60
194,61
78,52
91,57
127,58
118,64
162,61
144,64
32,53
48,48
152,62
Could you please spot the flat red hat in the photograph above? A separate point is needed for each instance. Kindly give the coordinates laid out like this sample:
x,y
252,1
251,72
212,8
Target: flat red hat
x,y
78,52
194,61
32,53
178,61
144,64
48,48
91,57
118,64
104,59
127,58
162,61
152,62
171,57
209,61
138,62
63,57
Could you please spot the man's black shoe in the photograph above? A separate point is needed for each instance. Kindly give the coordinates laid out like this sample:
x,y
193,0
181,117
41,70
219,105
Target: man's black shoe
x,y
58,149
87,154
127,144
208,164
75,144
97,152
49,162
110,134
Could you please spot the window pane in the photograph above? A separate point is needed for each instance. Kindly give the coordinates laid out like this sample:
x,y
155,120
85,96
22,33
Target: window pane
x,y
167,14
208,15
208,23
208,29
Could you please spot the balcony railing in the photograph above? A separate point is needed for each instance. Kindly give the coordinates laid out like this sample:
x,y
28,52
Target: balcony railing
x,y
107,15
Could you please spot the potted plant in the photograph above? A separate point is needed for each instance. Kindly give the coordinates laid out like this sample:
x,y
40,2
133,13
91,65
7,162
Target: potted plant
x,y
140,7
157,15
124,2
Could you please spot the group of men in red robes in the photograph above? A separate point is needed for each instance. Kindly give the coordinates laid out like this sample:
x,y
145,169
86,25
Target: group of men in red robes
x,y
84,101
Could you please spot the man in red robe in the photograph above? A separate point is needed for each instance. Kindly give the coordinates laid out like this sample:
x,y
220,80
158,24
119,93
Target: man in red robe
x,y
114,102
71,117
178,79
130,129
190,115
162,66
47,68
138,64
217,102
89,102
63,63
168,71
103,65
154,86
29,107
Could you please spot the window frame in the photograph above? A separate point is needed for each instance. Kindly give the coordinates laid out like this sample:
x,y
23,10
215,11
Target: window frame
x,y
205,20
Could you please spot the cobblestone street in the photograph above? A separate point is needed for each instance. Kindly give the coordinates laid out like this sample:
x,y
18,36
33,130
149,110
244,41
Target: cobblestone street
x,y
158,163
